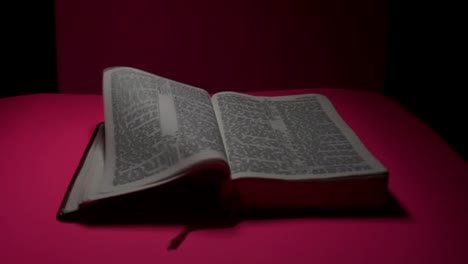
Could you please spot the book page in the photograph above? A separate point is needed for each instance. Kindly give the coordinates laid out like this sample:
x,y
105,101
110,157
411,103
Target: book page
x,y
289,137
155,128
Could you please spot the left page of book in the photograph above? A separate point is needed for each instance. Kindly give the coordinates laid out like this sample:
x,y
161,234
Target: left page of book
x,y
156,130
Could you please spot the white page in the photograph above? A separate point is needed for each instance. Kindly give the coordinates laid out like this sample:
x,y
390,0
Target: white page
x,y
297,137
155,129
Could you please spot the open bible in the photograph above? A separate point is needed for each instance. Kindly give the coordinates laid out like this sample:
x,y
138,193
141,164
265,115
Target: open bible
x,y
273,152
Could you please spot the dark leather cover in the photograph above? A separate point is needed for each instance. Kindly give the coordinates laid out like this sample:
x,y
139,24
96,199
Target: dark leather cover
x,y
61,215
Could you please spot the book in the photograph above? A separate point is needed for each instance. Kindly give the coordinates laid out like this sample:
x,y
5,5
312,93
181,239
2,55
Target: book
x,y
161,136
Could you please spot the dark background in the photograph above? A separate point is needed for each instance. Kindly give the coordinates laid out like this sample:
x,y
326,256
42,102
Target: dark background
x,y
29,54
422,61
423,69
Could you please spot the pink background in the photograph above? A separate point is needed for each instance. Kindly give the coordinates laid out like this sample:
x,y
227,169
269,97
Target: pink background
x,y
44,136
228,45
242,45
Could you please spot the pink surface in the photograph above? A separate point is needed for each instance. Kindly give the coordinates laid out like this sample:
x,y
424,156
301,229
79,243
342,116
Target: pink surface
x,y
224,45
43,137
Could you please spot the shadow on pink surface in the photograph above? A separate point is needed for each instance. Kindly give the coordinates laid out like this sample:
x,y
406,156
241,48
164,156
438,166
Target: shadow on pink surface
x,y
195,205
200,199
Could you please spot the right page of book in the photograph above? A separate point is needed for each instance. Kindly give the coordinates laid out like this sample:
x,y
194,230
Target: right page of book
x,y
299,137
